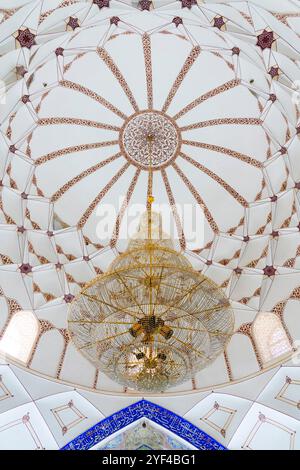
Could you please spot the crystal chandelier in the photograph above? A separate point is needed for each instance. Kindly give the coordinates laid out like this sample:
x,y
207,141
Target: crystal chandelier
x,y
151,321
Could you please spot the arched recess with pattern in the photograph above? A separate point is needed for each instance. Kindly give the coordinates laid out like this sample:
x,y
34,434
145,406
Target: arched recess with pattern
x,y
20,336
270,337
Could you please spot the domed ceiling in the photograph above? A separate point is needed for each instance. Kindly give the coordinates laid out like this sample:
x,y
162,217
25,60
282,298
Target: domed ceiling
x,y
215,84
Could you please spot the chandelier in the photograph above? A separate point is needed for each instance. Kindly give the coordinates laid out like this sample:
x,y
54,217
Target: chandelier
x,y
151,321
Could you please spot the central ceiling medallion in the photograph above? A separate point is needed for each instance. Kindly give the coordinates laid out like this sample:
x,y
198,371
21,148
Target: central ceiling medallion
x,y
166,139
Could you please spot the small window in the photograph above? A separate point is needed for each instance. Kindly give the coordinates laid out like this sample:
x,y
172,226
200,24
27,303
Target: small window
x,y
20,336
270,337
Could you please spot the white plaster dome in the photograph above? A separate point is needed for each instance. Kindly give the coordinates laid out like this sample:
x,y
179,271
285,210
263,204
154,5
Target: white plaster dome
x,y
214,85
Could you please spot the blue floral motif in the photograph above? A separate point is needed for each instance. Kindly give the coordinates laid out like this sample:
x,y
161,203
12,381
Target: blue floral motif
x,y
144,409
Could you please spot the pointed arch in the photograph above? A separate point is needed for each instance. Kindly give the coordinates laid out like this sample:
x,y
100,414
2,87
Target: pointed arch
x,y
270,337
20,336
144,409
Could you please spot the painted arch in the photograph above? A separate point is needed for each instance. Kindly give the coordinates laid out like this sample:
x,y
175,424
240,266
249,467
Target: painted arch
x,y
155,413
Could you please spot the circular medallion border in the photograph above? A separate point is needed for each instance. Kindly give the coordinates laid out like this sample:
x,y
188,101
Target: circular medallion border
x,y
166,143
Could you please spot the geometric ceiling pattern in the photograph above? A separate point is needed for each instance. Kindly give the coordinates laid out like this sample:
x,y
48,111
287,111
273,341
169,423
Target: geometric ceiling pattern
x,y
82,78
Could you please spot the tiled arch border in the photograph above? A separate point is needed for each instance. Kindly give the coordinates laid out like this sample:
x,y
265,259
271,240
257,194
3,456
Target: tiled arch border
x,y
144,409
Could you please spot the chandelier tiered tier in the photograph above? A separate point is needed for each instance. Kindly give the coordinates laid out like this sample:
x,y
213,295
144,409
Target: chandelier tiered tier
x,y
151,321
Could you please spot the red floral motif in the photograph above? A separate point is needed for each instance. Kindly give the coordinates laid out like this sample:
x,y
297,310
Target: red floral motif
x,y
145,5
297,185
272,97
288,380
238,271
274,72
177,21
59,51
50,233
218,22
273,198
265,39
298,130
59,266
25,268
115,20
26,418
68,298
24,196
275,234
188,3
236,50
12,149
262,418
25,99
101,3
246,238
269,271
86,258
26,38
283,150
21,229
73,23
21,71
